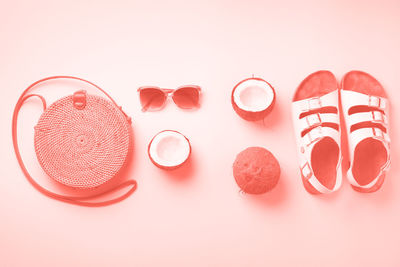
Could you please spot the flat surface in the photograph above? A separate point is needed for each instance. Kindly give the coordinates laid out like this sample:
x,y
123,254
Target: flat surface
x,y
196,216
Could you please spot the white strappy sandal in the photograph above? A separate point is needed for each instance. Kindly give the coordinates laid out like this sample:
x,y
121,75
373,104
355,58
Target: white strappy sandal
x,y
365,109
316,124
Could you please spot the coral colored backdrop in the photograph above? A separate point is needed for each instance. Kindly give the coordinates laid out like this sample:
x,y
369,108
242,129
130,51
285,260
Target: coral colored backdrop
x,y
196,216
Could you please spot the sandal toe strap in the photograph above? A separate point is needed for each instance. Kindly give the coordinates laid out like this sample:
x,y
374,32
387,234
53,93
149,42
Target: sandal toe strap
x,y
371,116
316,119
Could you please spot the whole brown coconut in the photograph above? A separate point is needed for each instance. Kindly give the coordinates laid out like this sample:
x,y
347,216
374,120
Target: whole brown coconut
x,y
256,170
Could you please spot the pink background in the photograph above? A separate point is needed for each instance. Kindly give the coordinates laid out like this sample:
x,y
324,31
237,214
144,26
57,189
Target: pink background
x,y
196,216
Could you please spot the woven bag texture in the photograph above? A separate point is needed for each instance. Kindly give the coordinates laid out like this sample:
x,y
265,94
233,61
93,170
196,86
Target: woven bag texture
x,y
82,148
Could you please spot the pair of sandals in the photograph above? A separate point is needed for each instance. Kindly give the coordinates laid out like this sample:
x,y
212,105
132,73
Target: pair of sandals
x,y
318,104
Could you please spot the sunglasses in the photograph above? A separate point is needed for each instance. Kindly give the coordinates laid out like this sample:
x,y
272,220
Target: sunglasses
x,y
154,98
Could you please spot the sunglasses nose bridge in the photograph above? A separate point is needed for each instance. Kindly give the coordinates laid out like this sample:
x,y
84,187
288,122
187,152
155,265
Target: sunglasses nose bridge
x,y
167,91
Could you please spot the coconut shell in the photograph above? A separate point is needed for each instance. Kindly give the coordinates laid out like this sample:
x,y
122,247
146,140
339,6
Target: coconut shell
x,y
168,167
252,115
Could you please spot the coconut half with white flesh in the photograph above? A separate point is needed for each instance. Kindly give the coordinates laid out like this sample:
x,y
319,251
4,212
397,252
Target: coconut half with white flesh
x,y
253,99
169,149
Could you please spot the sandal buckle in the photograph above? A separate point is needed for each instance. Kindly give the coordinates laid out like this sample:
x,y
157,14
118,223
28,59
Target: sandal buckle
x,y
378,133
314,103
306,170
382,103
373,101
377,102
378,116
314,134
313,119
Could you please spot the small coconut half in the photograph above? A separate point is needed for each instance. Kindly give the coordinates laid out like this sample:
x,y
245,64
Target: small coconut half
x,y
253,99
169,149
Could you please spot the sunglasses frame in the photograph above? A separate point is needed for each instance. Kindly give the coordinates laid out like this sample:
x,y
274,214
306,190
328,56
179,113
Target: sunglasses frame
x,y
169,93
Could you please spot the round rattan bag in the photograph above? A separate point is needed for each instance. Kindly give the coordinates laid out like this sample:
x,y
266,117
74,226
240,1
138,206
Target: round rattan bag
x,y
82,140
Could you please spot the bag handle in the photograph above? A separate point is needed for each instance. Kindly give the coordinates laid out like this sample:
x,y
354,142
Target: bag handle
x,y
77,200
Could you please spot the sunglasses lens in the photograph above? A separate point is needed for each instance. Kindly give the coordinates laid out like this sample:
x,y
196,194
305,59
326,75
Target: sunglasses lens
x,y
152,98
186,97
